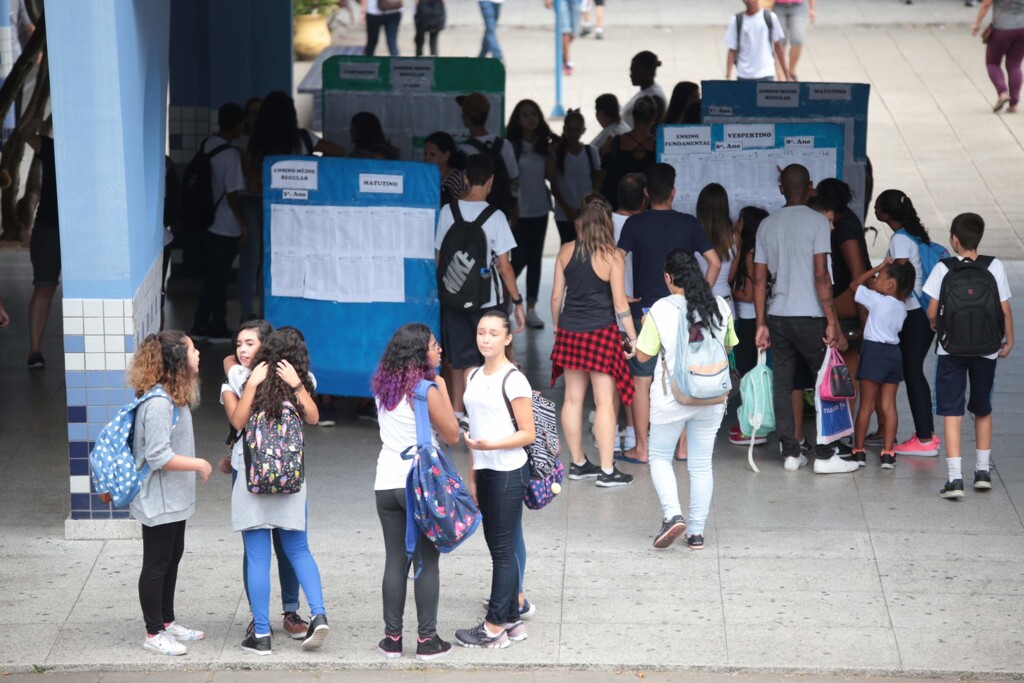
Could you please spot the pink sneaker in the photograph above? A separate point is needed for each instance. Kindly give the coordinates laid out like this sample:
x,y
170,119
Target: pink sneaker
x,y
914,446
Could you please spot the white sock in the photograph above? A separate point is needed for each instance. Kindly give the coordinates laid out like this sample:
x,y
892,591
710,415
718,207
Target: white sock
x,y
459,415
983,460
262,635
954,468
491,633
609,471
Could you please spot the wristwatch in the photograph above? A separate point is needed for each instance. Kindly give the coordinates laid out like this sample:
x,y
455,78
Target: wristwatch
x,y
517,302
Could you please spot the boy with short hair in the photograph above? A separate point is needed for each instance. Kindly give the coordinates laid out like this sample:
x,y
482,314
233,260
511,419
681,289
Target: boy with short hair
x,y
953,371
755,40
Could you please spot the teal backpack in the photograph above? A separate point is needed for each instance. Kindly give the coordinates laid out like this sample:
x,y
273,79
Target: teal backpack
x,y
757,414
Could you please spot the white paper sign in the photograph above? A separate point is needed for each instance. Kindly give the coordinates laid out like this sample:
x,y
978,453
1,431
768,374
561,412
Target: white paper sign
x,y
720,111
295,174
295,194
359,71
687,138
799,141
830,91
751,135
412,74
719,146
778,95
381,184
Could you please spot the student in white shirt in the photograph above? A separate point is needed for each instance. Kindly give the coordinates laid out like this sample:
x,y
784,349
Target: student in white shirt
x,y
642,71
883,291
754,39
606,111
574,168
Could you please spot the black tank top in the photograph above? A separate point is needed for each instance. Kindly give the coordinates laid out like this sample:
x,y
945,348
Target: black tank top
x,y
588,298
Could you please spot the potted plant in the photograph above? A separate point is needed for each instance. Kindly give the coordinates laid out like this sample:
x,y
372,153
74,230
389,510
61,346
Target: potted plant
x,y
312,35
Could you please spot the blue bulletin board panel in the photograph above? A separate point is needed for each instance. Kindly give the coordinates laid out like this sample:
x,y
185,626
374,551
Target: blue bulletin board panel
x,y
349,258
745,158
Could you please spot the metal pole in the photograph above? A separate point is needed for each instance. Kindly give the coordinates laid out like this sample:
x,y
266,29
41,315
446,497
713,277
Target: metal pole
x,y
559,110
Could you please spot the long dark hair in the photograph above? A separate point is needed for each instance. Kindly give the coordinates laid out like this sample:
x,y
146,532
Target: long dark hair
x,y
277,128
366,130
402,365
684,93
262,327
838,194
562,148
446,143
898,206
514,130
751,217
501,315
713,215
701,306
284,344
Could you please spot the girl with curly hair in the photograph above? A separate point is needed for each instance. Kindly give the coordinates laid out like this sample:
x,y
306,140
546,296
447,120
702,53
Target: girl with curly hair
x,y
280,376
163,438
705,314
411,355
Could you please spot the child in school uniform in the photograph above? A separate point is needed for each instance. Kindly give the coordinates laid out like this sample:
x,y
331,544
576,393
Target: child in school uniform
x,y
883,290
954,371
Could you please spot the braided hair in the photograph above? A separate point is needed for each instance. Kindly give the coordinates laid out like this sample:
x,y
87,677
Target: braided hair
x,y
701,306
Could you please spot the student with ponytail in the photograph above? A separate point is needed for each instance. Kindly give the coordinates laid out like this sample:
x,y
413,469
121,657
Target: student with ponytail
x,y
894,208
163,438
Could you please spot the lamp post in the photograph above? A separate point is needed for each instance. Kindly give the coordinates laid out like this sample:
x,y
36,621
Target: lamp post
x,y
559,110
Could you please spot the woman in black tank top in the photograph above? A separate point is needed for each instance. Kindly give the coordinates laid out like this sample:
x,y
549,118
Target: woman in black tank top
x,y
588,298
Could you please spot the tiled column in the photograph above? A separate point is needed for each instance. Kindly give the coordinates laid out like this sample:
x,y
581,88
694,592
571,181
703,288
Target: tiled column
x,y
109,63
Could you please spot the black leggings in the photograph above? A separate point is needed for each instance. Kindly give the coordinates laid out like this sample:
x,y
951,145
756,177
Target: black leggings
x,y
162,547
915,341
529,234
566,231
420,34
427,587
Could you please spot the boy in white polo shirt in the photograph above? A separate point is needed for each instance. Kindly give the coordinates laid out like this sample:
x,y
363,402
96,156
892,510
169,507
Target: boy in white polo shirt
x,y
754,39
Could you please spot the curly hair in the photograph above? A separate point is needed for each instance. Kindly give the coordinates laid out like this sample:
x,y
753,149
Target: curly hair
x,y
163,359
402,365
701,306
284,344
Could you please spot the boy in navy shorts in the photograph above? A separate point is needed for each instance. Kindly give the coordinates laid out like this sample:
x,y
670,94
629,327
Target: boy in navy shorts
x,y
970,311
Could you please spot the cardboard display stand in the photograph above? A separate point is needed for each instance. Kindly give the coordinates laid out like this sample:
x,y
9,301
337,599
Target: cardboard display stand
x,y
349,258
412,96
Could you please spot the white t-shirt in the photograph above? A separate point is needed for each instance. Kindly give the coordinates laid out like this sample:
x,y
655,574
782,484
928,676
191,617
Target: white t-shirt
x,y
787,242
608,132
886,315
499,235
900,247
577,180
664,407
226,176
618,220
489,417
756,57
397,433
534,200
721,287
933,287
507,153
653,90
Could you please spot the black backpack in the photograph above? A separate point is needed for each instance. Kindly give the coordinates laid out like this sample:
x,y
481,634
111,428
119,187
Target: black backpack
x,y
739,32
198,206
970,321
501,188
464,275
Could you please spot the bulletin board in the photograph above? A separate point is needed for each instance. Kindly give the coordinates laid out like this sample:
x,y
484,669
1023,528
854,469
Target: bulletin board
x,y
845,104
412,96
349,258
745,158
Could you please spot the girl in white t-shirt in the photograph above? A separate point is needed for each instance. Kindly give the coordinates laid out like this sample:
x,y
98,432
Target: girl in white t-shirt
x,y
574,168
411,355
883,291
499,406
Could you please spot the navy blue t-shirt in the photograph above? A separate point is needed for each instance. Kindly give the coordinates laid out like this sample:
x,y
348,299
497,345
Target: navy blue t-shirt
x,y
650,236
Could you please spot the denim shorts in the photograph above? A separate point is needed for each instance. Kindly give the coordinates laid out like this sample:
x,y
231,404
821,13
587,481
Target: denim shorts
x,y
569,15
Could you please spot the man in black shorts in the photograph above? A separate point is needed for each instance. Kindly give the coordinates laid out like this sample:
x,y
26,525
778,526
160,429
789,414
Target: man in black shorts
x,y
44,250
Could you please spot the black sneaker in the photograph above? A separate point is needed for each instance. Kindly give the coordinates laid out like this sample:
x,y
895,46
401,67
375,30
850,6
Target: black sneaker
x,y
670,531
391,646
842,448
36,360
479,637
805,447
317,633
616,478
858,456
431,648
584,471
250,630
982,480
695,541
953,489
367,411
257,646
328,416
888,461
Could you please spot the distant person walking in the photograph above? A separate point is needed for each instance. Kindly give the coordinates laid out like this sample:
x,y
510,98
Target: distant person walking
x,y
794,15
430,20
377,15
491,11
642,71
754,40
1005,42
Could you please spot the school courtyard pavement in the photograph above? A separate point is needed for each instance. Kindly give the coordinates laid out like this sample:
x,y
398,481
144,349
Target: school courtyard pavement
x,y
804,577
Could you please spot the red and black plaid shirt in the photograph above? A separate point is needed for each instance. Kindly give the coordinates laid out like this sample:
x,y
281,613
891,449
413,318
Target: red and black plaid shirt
x,y
596,351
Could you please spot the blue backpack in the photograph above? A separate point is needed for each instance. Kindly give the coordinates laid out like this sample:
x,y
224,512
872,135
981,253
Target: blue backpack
x,y
437,501
930,254
111,462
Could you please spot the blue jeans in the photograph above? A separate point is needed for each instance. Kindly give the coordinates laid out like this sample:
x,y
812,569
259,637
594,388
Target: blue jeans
x,y
491,11
285,572
389,22
700,434
500,496
257,555
519,548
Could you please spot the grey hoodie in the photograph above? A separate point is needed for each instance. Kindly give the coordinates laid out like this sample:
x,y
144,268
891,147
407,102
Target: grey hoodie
x,y
165,496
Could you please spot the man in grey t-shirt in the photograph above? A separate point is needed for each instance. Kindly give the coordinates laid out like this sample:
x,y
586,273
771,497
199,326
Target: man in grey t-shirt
x,y
793,246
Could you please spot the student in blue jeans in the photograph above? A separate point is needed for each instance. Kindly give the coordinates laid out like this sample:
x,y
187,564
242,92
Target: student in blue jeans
x,y
491,11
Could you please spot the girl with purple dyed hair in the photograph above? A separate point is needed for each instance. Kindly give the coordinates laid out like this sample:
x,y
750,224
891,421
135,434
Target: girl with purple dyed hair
x,y
412,354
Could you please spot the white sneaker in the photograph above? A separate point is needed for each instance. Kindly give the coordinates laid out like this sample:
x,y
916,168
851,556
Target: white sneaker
x,y
180,632
163,644
794,462
834,465
533,320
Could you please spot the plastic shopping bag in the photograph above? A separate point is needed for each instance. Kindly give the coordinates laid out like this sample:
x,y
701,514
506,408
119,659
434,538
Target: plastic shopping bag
x,y
834,420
